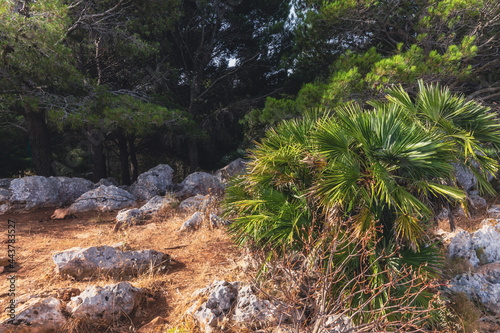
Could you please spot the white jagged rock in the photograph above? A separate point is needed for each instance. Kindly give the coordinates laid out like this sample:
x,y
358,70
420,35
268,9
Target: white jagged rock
x,y
129,216
480,247
483,285
219,298
103,198
92,261
236,167
198,203
231,302
105,305
36,315
193,222
251,310
199,183
154,205
153,182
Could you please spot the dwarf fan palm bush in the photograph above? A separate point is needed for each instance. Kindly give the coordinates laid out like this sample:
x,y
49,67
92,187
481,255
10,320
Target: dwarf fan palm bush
x,y
374,173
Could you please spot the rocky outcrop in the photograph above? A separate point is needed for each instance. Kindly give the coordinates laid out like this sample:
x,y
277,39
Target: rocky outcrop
x,y
194,222
484,285
127,217
33,192
105,305
153,182
103,198
217,222
198,203
236,167
93,261
70,189
199,183
154,205
37,315
222,296
480,247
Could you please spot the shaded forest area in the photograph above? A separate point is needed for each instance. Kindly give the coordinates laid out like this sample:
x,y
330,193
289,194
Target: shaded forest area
x,y
114,87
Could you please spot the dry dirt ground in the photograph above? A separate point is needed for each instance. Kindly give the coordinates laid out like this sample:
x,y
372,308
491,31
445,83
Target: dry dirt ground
x,y
199,258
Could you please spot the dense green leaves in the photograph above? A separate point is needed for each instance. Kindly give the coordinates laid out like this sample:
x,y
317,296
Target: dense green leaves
x,y
375,173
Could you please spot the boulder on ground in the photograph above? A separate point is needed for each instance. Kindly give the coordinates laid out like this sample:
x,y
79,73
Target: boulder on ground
x,y
105,305
480,247
198,203
32,192
478,202
484,285
127,217
37,315
193,222
153,182
494,212
250,310
93,261
36,191
465,177
154,205
107,181
103,198
220,297
70,189
217,222
199,183
236,167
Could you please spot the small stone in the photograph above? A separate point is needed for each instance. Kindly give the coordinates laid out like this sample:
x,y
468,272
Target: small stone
x,y
193,222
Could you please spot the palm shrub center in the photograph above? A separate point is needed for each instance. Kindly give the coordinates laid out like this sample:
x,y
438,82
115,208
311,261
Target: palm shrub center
x,y
378,174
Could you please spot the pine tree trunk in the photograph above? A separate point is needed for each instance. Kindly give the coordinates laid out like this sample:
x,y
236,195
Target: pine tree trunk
x,y
122,147
40,142
133,157
98,158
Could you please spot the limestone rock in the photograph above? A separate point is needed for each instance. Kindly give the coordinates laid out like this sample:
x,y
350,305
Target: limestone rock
x,y
465,177
92,261
32,192
70,189
236,167
494,212
103,198
129,216
217,222
154,205
219,298
37,315
481,247
198,203
478,203
153,182
252,311
107,181
193,222
105,305
483,286
199,183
